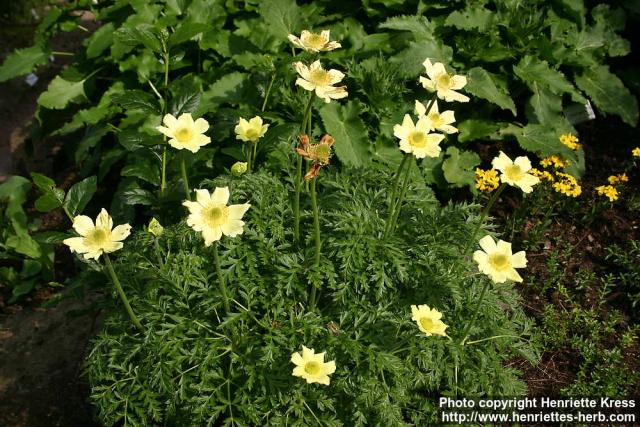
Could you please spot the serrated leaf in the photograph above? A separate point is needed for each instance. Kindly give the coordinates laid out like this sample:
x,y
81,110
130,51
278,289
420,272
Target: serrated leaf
x,y
22,61
227,89
533,71
186,102
609,93
138,196
537,138
100,40
51,237
43,182
419,26
470,18
473,129
459,167
144,169
487,86
547,107
282,17
187,31
60,93
351,139
132,139
80,194
137,100
141,34
411,58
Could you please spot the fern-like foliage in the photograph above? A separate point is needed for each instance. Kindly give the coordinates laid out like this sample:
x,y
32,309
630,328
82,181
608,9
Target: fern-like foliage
x,y
194,366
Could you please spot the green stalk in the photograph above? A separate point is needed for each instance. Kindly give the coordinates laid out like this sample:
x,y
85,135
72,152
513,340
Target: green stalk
x,y
185,179
121,293
483,216
254,155
394,191
223,287
158,251
398,205
316,232
163,182
475,312
266,95
298,179
248,156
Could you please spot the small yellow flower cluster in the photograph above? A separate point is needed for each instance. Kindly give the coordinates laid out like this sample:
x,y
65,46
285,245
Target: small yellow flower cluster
x,y
570,141
542,175
567,185
618,179
555,161
635,152
608,191
487,180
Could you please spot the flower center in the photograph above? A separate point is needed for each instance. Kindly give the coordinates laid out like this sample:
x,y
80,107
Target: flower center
x,y
97,237
436,119
444,81
312,368
315,41
427,323
323,152
320,78
499,261
252,133
183,135
514,173
216,215
418,139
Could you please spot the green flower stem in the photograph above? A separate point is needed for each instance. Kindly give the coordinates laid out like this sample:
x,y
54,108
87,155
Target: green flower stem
x,y
248,156
483,216
268,92
394,190
163,182
491,338
316,232
123,297
158,251
395,212
223,286
253,156
298,178
475,312
185,179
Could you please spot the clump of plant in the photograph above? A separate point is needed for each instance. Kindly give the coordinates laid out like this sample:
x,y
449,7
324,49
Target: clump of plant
x,y
376,359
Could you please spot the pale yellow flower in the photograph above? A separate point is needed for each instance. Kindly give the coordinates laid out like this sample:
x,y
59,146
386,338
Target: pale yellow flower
x,y
315,78
515,172
443,83
439,121
313,42
211,216
184,133
312,367
428,320
497,261
99,238
251,130
416,139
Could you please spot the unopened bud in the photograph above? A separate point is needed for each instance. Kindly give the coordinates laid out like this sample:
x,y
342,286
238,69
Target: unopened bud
x,y
238,168
155,228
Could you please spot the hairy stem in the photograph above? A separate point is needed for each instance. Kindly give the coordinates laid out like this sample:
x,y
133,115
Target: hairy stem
x,y
123,297
298,178
185,179
398,205
483,216
475,312
316,233
223,286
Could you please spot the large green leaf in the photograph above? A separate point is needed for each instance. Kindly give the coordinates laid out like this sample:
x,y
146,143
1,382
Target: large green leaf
x,y
186,31
472,17
419,26
61,92
473,129
22,61
459,167
137,100
609,93
282,16
144,34
343,123
100,40
487,86
227,89
79,195
535,72
547,106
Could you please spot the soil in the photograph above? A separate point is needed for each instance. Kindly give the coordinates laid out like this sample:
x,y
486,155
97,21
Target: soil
x,y
42,349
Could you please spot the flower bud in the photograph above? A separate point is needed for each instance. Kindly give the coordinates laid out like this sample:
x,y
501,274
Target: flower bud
x,y
155,228
238,168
